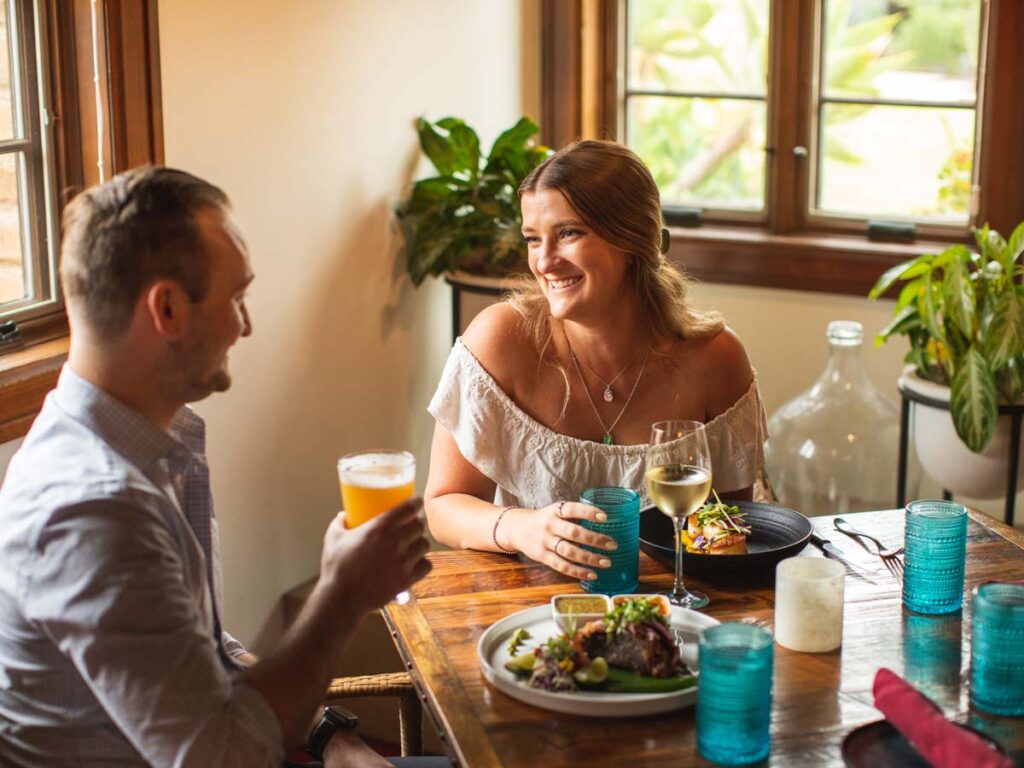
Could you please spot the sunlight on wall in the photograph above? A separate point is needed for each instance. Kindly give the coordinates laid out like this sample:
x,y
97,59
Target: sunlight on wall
x,y
304,113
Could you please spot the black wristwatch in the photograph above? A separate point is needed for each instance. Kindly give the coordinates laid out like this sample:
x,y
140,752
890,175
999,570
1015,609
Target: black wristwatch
x,y
335,718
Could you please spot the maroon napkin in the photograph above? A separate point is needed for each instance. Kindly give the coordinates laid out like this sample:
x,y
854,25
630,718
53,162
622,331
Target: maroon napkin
x,y
941,743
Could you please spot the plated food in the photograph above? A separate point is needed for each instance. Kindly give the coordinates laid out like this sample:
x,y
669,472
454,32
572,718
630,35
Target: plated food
x,y
775,534
717,529
539,624
630,649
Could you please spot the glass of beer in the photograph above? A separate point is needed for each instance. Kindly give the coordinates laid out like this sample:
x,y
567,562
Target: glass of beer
x,y
373,482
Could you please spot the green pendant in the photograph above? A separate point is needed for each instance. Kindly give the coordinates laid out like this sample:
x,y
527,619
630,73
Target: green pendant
x,y
607,439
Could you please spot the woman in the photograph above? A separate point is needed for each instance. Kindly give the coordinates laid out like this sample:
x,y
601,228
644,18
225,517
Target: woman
x,y
555,390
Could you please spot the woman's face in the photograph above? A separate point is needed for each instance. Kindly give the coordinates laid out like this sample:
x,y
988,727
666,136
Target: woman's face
x,y
581,275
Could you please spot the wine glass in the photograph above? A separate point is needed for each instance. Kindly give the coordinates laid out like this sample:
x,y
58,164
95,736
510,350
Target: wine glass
x,y
678,479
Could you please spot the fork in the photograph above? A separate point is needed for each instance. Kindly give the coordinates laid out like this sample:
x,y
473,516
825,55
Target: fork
x,y
890,556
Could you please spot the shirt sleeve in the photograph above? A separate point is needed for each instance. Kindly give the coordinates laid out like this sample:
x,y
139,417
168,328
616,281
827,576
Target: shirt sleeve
x,y
106,584
481,419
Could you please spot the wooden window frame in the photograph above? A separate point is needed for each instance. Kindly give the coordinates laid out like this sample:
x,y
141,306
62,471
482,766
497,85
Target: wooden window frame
x,y
581,96
129,97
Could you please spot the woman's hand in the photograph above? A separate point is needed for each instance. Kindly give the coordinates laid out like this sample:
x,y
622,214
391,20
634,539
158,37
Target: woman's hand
x,y
550,536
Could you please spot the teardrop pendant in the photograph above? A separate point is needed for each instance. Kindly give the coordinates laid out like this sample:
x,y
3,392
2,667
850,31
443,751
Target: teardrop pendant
x,y
608,394
607,439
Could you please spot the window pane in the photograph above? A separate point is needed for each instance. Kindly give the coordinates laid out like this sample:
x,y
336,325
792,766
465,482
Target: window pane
x,y
926,50
702,152
698,46
6,96
897,162
12,268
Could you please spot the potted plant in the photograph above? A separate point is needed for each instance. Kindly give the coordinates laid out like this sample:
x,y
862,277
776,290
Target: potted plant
x,y
962,311
467,218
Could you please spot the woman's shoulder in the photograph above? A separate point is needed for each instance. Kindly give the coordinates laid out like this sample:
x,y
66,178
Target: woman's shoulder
x,y
725,369
498,338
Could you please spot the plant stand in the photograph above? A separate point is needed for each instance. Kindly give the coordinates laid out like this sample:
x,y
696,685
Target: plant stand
x,y
463,282
1015,412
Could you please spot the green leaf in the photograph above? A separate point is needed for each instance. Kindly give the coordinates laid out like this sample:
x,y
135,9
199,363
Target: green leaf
x,y
511,146
990,243
430,193
1011,380
973,401
908,295
1015,245
904,271
437,148
959,296
904,320
1005,337
931,301
465,145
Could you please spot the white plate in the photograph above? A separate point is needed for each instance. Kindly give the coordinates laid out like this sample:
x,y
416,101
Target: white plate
x,y
493,654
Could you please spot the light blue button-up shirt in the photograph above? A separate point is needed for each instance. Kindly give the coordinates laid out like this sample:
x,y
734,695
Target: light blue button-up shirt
x,y
111,651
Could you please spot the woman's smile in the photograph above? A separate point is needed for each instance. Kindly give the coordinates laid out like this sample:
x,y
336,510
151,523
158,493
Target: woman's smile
x,y
563,283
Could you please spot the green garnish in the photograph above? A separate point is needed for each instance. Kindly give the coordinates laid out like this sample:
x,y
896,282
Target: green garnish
x,y
729,517
559,647
635,611
519,637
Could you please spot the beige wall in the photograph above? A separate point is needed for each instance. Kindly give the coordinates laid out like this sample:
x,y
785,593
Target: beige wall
x,y
304,113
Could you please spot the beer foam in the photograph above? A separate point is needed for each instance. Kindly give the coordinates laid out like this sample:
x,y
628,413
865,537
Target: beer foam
x,y
377,470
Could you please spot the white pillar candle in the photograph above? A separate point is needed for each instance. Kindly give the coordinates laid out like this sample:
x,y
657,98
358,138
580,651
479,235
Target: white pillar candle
x,y
809,604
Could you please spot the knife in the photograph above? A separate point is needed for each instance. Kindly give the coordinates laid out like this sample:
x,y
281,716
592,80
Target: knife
x,y
831,550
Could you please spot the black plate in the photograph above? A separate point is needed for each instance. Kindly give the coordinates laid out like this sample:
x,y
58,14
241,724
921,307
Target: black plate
x,y
880,745
776,533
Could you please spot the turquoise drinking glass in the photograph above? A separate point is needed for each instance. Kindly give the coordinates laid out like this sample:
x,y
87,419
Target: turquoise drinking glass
x,y
936,549
734,697
997,636
622,506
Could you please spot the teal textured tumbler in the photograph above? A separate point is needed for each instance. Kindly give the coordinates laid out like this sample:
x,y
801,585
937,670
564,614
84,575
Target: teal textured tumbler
x,y
623,524
734,700
936,548
997,636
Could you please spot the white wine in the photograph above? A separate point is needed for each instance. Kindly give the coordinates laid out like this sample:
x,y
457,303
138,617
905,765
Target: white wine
x,y
678,489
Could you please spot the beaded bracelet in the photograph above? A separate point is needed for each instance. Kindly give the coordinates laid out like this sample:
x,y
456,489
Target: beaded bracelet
x,y
494,532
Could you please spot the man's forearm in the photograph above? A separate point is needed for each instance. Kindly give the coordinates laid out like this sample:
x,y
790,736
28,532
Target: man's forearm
x,y
294,678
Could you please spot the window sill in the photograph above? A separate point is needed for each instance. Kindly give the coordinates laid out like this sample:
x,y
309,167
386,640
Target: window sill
x,y
26,376
822,263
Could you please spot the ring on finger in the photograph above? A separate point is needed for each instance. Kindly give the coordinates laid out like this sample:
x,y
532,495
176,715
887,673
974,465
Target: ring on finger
x,y
560,505
557,545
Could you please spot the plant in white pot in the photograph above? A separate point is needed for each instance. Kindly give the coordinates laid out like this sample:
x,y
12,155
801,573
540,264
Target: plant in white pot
x,y
962,311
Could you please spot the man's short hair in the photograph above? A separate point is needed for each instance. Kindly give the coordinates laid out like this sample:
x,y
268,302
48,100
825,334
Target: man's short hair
x,y
121,236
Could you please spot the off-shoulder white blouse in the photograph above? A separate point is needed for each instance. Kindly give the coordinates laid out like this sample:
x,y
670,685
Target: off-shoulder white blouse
x,y
534,466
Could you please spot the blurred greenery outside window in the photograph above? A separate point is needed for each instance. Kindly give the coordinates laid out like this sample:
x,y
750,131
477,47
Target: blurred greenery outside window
x,y
27,208
891,119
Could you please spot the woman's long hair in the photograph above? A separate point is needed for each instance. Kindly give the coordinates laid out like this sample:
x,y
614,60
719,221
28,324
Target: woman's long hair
x,y
615,195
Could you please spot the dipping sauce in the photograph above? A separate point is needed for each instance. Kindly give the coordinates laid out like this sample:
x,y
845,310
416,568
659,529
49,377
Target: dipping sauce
x,y
581,604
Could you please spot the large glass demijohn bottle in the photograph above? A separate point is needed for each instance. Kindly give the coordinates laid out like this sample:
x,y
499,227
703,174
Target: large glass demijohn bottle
x,y
833,449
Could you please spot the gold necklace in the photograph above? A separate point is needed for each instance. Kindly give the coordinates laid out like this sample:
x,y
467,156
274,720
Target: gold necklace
x,y
607,439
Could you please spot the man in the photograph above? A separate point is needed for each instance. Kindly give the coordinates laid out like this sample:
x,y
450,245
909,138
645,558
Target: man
x,y
111,650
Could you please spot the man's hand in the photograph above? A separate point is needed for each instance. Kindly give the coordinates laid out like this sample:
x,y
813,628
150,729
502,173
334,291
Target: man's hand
x,y
371,564
346,750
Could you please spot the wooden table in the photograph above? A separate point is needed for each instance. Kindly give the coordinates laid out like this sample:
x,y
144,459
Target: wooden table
x,y
818,698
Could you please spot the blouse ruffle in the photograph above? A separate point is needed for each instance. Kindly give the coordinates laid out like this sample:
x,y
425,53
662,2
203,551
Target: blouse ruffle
x,y
533,466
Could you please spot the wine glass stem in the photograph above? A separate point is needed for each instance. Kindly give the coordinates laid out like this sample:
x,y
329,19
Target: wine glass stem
x,y
678,589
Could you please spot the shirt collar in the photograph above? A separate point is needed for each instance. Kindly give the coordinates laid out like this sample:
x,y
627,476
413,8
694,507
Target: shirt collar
x,y
126,430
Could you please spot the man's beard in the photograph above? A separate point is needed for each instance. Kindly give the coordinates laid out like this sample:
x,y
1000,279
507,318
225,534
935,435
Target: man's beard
x,y
198,379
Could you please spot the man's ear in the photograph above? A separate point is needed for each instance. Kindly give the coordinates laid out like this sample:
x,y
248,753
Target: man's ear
x,y
168,309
